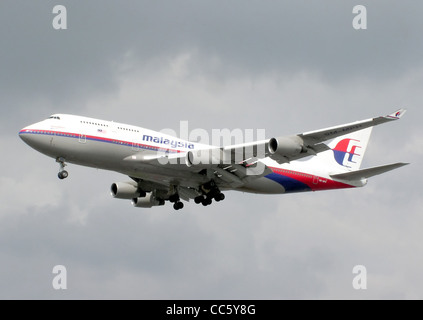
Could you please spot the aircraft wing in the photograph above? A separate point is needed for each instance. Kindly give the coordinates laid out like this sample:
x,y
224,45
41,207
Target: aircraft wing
x,y
314,137
289,148
226,174
233,166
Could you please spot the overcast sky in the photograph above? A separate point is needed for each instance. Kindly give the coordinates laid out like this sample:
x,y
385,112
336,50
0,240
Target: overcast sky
x,y
283,66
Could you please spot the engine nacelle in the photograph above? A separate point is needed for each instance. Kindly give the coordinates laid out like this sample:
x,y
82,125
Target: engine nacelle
x,y
203,158
125,190
147,202
286,146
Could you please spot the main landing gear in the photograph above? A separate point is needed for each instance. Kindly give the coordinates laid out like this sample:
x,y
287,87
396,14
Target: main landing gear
x,y
177,204
63,174
211,191
206,200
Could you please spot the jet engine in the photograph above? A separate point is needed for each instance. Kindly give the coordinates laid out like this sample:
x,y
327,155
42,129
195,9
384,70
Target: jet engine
x,y
147,202
125,190
204,158
286,146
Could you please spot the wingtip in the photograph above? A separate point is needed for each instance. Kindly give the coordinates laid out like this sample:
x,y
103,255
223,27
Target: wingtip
x,y
400,164
397,114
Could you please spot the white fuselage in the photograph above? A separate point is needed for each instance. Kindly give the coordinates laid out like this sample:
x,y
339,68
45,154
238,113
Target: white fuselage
x,y
109,145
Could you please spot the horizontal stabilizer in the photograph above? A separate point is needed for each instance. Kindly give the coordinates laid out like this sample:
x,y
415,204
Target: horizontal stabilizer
x,y
367,173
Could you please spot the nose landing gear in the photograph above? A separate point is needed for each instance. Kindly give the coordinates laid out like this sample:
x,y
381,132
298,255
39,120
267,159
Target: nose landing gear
x,y
63,174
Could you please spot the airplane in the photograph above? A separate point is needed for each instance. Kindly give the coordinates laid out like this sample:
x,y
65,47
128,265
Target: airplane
x,y
165,168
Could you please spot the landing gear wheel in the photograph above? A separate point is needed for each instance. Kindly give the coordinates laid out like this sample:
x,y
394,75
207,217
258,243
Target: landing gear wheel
x,y
219,197
63,174
178,205
174,198
206,201
198,199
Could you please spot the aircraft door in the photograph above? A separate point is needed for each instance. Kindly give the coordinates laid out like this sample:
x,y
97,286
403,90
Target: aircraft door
x,y
82,138
135,146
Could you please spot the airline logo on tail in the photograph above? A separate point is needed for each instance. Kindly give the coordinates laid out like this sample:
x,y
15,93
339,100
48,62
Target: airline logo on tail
x,y
345,152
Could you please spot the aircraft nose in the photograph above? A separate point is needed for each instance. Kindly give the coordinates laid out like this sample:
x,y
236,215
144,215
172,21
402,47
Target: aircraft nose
x,y
38,137
24,134
29,135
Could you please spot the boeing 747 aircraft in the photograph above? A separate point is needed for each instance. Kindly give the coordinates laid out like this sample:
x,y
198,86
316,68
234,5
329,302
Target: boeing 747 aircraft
x,y
164,168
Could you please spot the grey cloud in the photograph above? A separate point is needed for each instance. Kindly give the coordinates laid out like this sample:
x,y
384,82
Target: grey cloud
x,y
248,38
288,67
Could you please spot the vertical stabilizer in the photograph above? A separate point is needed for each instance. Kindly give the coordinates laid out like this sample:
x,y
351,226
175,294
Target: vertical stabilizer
x,y
348,150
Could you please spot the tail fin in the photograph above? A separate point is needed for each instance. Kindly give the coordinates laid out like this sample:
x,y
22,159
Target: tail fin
x,y
348,150
347,147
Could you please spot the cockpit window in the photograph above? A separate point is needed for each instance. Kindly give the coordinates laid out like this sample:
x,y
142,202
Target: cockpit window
x,y
54,117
